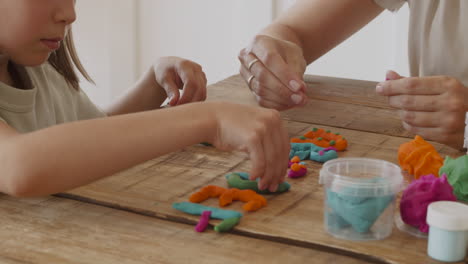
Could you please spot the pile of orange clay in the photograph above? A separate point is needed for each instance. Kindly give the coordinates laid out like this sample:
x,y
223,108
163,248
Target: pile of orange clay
x,y
323,138
253,200
418,158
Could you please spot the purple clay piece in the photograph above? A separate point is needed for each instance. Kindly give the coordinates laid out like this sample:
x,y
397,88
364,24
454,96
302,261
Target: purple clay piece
x,y
297,174
419,194
203,222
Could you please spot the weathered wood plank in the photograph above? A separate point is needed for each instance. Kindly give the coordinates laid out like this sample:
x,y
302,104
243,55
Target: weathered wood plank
x,y
55,230
291,218
334,102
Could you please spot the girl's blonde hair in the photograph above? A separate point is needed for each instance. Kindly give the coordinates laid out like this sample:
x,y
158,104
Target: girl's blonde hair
x,y
65,59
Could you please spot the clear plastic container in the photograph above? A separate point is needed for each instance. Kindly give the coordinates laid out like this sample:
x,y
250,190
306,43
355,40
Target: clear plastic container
x,y
360,196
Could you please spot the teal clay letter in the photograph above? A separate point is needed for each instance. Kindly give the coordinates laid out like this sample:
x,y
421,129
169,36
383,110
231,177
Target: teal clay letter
x,y
197,209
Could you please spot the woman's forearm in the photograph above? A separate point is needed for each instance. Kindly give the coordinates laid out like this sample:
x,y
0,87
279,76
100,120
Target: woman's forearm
x,y
319,25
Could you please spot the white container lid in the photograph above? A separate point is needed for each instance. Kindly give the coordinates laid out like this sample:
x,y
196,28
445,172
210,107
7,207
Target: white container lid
x,y
448,215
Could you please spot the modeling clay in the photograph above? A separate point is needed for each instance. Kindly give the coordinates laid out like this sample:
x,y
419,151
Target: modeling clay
x,y
240,180
457,175
322,138
197,209
203,222
310,151
419,194
297,169
419,157
359,212
253,200
227,224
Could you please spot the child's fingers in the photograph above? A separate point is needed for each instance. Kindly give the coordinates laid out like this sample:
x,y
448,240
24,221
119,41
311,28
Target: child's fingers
x,y
281,148
190,87
172,90
201,91
267,181
257,157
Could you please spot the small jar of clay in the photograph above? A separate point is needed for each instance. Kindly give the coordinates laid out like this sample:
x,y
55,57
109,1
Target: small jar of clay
x,y
360,197
448,231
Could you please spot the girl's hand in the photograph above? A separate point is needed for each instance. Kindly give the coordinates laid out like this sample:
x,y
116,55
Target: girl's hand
x,y
173,73
260,133
277,67
433,107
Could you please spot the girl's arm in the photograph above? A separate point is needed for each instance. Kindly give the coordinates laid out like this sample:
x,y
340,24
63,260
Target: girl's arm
x,y
66,156
163,80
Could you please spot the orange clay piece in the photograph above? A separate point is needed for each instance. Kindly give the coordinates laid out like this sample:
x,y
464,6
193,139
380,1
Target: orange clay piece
x,y
296,159
418,158
322,138
297,166
253,200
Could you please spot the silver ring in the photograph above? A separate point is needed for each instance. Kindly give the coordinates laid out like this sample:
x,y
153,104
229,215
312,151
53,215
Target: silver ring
x,y
252,63
249,81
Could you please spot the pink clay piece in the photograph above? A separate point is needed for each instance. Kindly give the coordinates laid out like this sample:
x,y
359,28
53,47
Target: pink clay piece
x,y
419,194
204,220
297,174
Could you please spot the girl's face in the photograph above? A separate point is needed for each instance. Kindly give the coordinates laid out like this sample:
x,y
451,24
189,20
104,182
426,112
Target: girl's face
x,y
30,30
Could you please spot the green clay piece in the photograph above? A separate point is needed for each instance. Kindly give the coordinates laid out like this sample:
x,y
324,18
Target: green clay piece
x,y
197,209
206,144
314,129
337,134
302,137
457,175
227,224
319,138
328,131
240,180
332,142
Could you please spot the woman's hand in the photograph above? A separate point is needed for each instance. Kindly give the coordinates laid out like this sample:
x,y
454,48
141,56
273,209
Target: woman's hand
x,y
257,131
273,69
173,73
433,107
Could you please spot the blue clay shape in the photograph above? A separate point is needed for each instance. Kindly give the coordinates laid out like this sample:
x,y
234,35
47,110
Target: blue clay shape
x,y
197,209
359,212
328,155
310,151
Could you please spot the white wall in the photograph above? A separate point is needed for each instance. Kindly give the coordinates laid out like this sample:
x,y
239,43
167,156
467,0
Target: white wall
x,y
209,32
118,39
105,38
368,54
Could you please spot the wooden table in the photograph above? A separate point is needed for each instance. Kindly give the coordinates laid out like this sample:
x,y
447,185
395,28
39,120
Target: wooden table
x,y
128,218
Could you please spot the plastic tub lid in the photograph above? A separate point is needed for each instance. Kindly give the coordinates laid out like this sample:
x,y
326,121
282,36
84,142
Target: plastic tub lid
x,y
390,184
448,215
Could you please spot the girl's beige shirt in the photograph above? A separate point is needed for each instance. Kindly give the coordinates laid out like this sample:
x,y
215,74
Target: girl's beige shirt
x,y
50,101
437,36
